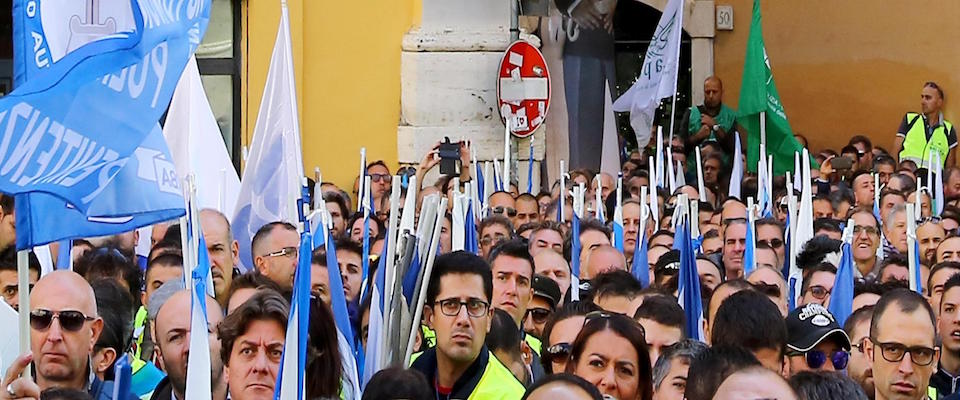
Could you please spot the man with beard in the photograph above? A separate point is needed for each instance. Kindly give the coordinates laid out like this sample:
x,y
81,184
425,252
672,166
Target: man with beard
x,y
859,368
173,347
929,235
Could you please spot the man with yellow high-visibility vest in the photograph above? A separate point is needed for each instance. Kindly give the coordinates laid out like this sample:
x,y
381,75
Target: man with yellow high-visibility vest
x,y
926,135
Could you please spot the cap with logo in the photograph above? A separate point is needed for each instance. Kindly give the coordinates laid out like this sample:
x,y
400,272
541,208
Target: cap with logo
x,y
668,263
811,324
547,289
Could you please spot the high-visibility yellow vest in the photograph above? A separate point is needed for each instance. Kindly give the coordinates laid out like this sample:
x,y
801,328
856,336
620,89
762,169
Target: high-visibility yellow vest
x,y
496,382
916,146
534,343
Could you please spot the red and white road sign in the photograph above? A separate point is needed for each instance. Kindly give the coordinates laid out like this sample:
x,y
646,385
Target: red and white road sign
x,y
523,88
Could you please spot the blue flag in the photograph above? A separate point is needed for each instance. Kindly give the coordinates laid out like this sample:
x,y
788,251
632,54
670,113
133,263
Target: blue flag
x,y
373,358
640,266
61,125
689,285
471,243
618,235
530,169
841,299
749,252
410,277
916,270
338,304
146,191
786,249
122,378
63,254
290,375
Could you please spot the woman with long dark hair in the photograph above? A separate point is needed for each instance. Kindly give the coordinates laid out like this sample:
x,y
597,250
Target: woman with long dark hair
x,y
611,353
323,354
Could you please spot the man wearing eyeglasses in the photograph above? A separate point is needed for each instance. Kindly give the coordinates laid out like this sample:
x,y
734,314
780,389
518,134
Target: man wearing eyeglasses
x,y
275,247
866,240
381,182
903,346
458,309
64,327
770,233
818,284
546,297
493,230
815,341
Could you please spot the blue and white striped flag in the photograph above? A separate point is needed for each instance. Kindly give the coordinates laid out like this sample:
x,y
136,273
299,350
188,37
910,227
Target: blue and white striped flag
x,y
689,285
290,384
198,369
750,249
841,298
640,265
736,172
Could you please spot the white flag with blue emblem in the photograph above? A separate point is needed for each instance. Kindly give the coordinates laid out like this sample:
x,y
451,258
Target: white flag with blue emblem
x,y
658,76
271,179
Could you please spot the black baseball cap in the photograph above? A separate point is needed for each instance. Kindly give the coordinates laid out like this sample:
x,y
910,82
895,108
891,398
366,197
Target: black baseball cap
x,y
547,289
668,264
811,324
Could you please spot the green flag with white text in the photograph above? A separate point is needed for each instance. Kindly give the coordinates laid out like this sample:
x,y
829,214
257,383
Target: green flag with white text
x,y
758,93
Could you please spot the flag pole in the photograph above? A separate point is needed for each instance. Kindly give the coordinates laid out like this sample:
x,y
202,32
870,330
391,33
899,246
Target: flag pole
x,y
763,129
563,193
700,186
676,75
361,181
23,286
506,155
390,273
530,167
911,241
654,204
428,270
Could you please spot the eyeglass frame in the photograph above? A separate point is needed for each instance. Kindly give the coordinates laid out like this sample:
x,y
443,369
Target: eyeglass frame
x,y
285,252
463,305
55,315
810,290
906,349
826,357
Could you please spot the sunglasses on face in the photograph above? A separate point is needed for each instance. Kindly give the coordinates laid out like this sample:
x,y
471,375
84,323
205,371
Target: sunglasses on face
x,y
71,321
772,243
509,211
816,359
557,352
380,177
539,315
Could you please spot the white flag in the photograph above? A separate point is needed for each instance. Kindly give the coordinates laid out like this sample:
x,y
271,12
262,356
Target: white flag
x,y
197,146
658,76
271,179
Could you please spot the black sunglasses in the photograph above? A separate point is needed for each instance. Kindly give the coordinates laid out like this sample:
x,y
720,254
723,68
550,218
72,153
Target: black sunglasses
x,y
816,359
539,315
557,352
71,321
509,211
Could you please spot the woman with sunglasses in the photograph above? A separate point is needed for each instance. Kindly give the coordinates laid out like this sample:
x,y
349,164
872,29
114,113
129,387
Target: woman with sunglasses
x,y
560,330
611,353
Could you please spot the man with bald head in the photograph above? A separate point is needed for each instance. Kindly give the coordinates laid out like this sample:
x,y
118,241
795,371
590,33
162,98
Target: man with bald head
x,y
604,258
64,327
223,249
710,121
173,347
743,385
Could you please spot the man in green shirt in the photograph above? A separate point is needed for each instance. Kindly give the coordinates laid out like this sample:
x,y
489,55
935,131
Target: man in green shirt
x,y
711,121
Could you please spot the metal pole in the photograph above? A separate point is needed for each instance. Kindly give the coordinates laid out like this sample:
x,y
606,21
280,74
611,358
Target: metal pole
x,y
514,20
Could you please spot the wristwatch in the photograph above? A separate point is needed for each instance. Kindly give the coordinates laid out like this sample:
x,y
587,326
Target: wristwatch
x,y
715,128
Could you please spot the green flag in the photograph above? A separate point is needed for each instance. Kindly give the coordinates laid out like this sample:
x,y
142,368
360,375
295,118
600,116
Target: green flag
x,y
758,93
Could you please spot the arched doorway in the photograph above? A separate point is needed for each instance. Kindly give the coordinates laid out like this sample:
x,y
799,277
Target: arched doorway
x,y
634,25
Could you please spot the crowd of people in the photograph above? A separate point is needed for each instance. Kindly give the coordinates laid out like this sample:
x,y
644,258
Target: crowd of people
x,y
505,323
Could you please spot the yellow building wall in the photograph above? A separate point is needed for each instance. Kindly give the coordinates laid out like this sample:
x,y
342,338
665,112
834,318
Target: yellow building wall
x,y
347,65
848,67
